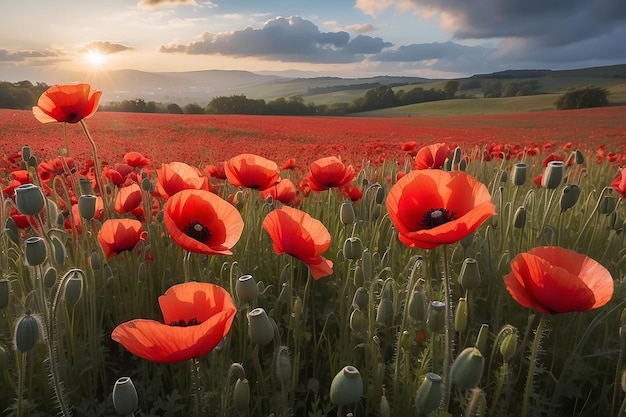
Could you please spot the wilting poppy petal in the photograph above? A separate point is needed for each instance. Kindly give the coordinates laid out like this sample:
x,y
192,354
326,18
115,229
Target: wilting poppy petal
x,y
552,279
119,235
197,317
296,233
433,207
68,103
251,171
200,221
329,172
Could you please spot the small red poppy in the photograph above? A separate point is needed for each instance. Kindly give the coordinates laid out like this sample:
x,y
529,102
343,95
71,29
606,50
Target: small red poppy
x,y
251,171
135,159
284,191
288,164
128,198
619,183
200,221
119,235
329,172
197,316
431,156
68,103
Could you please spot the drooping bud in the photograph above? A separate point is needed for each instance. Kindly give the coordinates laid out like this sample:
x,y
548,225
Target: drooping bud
x,y
5,291
357,321
460,315
508,347
380,195
94,261
29,199
367,265
353,248
35,250
50,277
384,313
519,174
607,204
569,196
260,329
246,288
384,409
11,229
125,398
579,158
456,155
347,386
463,165
241,395
73,285
552,175
417,305
87,206
58,249
435,319
361,298
429,394
468,240
27,332
347,214
467,368
519,218
469,277
482,339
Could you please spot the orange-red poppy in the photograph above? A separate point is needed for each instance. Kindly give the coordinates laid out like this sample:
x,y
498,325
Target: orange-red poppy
x,y
432,207
431,156
200,221
329,172
177,176
619,183
284,191
296,233
251,171
119,235
196,315
135,159
289,163
68,103
551,279
128,198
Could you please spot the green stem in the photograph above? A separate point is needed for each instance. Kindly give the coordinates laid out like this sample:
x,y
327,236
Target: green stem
x,y
534,350
448,330
98,168
195,386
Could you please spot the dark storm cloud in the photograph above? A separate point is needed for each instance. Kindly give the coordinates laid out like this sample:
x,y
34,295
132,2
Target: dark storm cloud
x,y
290,39
429,51
18,56
107,47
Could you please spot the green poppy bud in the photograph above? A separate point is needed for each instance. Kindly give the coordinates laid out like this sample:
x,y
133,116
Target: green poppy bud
x,y
482,338
447,165
260,329
519,218
553,175
94,261
467,368
125,398
384,409
569,196
456,155
58,250
29,199
87,206
27,332
358,278
284,370
35,250
11,229
5,291
347,386
435,317
417,305
519,174
460,315
579,158
376,212
353,248
607,204
508,347
367,265
26,152
246,288
347,214
469,277
147,185
50,277
384,313
429,394
463,165
86,186
241,395
380,195
73,285
405,340
361,298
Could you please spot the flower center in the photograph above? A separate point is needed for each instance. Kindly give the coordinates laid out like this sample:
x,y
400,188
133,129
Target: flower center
x,y
198,231
72,117
436,217
182,323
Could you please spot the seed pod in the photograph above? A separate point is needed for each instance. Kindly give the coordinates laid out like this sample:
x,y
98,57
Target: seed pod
x,y
125,398
35,250
467,368
469,277
429,394
246,288
552,175
260,327
73,285
29,199
353,248
347,386
347,214
27,332
26,152
85,185
435,318
87,206
569,196
519,174
519,218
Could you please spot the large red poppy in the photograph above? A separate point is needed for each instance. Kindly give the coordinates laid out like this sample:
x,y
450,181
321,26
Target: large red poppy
x,y
119,235
251,171
551,279
128,198
431,156
68,103
177,176
619,183
296,233
433,207
329,172
200,221
197,316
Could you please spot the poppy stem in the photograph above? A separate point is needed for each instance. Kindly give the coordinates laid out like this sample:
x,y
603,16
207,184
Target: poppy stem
x,y
448,329
534,350
195,386
98,168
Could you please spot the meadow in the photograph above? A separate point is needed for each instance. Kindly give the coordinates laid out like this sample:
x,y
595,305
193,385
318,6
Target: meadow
x,y
163,265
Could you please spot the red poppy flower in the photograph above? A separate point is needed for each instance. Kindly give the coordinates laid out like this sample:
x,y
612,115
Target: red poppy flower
x,y
197,316
288,164
431,156
200,221
284,191
619,183
329,172
551,279
251,171
118,235
216,171
177,176
433,207
296,233
135,159
68,103
128,198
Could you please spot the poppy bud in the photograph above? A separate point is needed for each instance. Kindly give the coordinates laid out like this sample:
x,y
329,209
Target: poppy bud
x,y
376,212
456,155
615,223
553,175
357,321
94,261
347,386
32,162
73,285
246,288
10,228
508,347
241,395
85,185
283,367
463,165
58,250
359,279
26,152
482,338
469,277
353,248
296,307
361,298
27,332
435,319
87,206
447,165
405,340
384,313
50,277
417,305
519,173
125,398
384,410
503,176
29,199
347,214
607,204
380,195
429,394
467,368
35,250
260,329
366,263
146,185
5,291
579,158
519,218
569,196
460,315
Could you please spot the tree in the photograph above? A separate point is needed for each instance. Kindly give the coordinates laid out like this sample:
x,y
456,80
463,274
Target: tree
x,y
581,98
451,88
193,108
174,108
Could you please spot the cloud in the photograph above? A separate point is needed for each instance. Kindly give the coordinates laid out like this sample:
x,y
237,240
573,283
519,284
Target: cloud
x,y
361,28
151,4
107,47
291,39
19,56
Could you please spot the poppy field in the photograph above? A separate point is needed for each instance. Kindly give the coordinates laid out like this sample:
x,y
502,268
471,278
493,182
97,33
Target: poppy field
x,y
166,265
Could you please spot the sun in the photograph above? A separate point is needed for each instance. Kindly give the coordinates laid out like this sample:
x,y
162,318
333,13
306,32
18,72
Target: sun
x,y
95,58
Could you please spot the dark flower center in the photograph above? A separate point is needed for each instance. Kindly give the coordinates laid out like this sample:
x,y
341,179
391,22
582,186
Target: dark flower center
x,y
72,117
436,217
182,323
198,231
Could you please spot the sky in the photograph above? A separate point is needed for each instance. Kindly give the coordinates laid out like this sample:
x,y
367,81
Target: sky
x,y
40,39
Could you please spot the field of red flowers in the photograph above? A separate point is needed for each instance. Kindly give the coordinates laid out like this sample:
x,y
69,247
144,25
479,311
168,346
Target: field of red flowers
x,y
207,139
